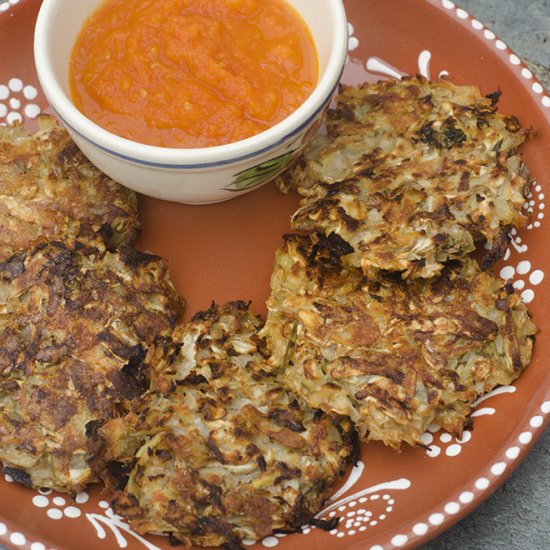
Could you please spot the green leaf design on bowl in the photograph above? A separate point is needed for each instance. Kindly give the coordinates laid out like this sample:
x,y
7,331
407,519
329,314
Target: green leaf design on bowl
x,y
252,177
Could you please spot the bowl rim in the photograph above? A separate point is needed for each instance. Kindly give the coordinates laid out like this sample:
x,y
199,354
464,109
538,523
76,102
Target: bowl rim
x,y
201,157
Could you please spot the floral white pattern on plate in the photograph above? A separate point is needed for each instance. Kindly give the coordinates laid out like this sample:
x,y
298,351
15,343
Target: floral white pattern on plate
x,y
16,101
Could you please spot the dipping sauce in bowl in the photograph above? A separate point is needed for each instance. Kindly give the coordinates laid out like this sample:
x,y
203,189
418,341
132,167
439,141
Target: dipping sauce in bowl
x,y
192,73
200,173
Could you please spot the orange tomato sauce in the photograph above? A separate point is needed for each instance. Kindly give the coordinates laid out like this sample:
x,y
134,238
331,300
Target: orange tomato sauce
x,y
192,73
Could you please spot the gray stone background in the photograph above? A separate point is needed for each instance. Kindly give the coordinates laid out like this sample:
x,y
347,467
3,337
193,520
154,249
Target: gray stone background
x,y
516,516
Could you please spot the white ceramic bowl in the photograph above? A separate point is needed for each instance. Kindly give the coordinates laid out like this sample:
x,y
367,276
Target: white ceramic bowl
x,y
195,176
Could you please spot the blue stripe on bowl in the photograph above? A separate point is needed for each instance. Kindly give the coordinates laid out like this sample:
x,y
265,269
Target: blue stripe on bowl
x,y
203,165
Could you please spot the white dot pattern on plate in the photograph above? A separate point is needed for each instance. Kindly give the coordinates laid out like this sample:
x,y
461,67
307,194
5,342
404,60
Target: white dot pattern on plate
x,y
72,512
512,453
453,450
436,519
466,497
18,539
420,529
5,5
54,513
40,501
31,110
490,36
353,41
82,498
525,438
527,296
450,446
426,438
507,272
12,117
16,101
452,508
498,468
482,483
536,421
522,275
399,540
536,277
519,285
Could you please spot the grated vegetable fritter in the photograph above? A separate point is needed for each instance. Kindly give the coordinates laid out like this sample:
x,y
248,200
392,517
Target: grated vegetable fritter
x,y
74,330
49,189
392,355
413,173
219,450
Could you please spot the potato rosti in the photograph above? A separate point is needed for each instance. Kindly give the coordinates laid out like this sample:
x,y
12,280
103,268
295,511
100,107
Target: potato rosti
x,y
411,174
49,189
219,451
74,328
393,355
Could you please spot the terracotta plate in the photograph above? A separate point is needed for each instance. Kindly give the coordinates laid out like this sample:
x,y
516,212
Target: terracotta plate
x,y
226,251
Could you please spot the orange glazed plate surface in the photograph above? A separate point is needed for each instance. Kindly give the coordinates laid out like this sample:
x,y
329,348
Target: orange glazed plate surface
x,y
225,251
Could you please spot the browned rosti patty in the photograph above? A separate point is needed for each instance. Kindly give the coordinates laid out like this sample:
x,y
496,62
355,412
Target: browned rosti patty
x,y
219,450
74,330
48,188
392,355
413,173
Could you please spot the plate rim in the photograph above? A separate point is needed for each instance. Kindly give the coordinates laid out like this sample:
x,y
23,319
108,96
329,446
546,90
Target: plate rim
x,y
11,534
